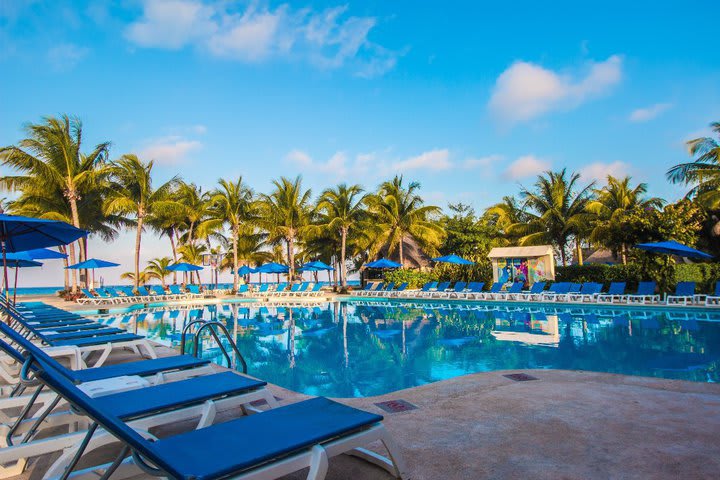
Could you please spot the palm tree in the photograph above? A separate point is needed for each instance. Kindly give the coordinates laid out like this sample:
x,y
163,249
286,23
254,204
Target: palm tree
x,y
195,206
158,268
703,172
340,209
555,209
139,278
51,156
233,203
193,254
132,194
610,204
399,213
502,216
285,214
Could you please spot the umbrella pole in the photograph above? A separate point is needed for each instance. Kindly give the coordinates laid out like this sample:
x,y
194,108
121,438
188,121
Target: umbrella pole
x,y
15,288
5,277
93,278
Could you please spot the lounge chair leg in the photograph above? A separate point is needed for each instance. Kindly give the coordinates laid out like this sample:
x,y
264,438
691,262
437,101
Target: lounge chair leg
x,y
208,415
318,464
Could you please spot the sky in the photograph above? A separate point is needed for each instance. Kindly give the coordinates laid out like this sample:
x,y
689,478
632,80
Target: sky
x,y
471,99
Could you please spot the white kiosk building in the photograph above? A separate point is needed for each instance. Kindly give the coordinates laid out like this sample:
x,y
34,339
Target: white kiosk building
x,y
523,264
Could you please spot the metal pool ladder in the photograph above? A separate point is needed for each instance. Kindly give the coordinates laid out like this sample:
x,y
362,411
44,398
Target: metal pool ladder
x,y
209,324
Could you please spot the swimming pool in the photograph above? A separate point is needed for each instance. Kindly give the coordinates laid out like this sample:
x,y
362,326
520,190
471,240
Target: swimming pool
x,y
365,348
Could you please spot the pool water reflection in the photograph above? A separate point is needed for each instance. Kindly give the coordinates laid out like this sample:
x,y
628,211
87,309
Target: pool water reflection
x,y
351,349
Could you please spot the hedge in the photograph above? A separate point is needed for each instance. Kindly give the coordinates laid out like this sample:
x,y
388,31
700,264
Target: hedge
x,y
481,272
667,276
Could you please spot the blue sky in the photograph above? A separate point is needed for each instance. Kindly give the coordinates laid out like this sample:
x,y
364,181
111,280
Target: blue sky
x,y
470,99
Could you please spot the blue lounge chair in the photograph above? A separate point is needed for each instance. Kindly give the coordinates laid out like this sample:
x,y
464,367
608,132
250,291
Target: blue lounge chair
x,y
315,291
588,292
279,289
371,291
456,290
382,289
473,290
558,288
439,290
301,290
284,439
645,293
615,292
509,294
425,289
263,290
684,293
242,290
194,291
536,289
495,288
177,292
159,292
400,289
90,297
714,299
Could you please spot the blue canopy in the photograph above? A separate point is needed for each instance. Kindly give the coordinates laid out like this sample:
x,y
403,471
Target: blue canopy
x,y
21,262
41,254
383,263
184,267
316,266
25,233
672,247
272,267
453,259
245,270
92,263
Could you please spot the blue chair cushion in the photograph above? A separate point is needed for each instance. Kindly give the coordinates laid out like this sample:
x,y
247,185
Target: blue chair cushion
x,y
250,441
175,395
80,334
142,368
84,342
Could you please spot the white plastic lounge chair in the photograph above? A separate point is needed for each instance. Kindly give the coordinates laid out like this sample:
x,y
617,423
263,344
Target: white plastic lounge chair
x,y
684,293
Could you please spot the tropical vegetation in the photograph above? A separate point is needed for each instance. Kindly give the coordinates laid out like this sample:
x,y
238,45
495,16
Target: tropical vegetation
x,y
52,174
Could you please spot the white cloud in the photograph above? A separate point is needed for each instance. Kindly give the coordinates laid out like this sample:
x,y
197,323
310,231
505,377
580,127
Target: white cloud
x,y
648,113
337,164
327,38
482,162
169,150
65,56
431,160
526,90
525,166
600,170
171,24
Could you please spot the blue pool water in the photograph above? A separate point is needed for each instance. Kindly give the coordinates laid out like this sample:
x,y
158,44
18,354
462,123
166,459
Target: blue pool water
x,y
355,349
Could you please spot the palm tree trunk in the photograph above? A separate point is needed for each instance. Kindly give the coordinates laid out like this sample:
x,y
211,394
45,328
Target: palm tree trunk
x,y
76,224
171,234
623,253
71,259
400,250
138,238
291,255
343,242
235,258
578,248
66,272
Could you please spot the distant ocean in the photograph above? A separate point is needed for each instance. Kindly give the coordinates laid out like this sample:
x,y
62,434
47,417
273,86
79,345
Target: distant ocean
x,y
53,290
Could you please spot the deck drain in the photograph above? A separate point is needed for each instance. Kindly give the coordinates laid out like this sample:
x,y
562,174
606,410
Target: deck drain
x,y
520,377
396,406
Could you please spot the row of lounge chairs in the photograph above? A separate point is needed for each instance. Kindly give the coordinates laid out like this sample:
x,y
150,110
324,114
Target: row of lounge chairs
x,y
304,289
556,292
152,293
68,414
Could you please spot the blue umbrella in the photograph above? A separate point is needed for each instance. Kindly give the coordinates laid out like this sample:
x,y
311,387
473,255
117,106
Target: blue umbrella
x,y
245,270
92,263
184,267
454,259
672,247
383,263
25,233
272,267
19,260
316,266
41,254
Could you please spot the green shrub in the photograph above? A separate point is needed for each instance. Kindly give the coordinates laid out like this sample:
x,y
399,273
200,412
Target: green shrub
x,y
414,278
480,272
